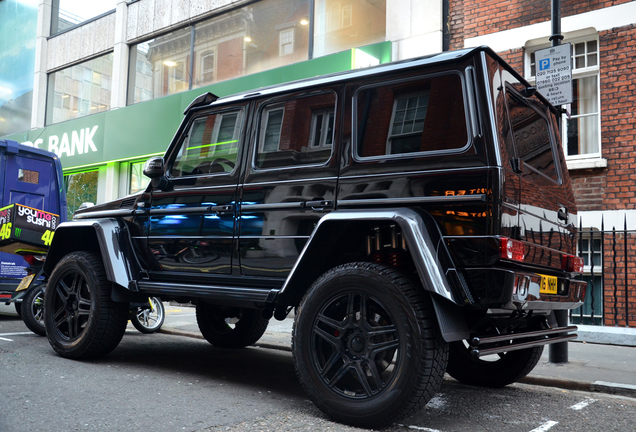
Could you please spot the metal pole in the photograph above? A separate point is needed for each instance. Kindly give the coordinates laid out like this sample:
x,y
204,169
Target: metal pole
x,y
558,351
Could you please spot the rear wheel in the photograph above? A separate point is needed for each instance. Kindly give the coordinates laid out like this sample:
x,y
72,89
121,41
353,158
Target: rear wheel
x,y
33,310
228,327
366,345
81,319
497,370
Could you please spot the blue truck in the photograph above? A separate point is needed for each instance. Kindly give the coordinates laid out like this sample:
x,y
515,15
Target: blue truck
x,y
32,205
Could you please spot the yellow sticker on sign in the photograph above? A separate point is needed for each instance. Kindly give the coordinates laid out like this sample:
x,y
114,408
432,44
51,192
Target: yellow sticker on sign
x,y
548,284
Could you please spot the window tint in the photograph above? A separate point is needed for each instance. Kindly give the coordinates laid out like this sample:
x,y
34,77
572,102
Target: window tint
x,y
531,135
210,146
299,131
411,117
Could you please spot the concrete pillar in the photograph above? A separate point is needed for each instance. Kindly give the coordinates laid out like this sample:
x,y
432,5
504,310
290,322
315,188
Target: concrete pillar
x,y
120,57
38,112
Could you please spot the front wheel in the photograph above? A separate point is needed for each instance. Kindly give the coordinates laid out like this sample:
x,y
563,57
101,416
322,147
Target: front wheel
x,y
82,321
228,327
33,310
366,345
148,319
494,371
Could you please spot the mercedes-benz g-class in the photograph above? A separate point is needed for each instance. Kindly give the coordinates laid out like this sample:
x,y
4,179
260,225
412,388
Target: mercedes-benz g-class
x,y
418,215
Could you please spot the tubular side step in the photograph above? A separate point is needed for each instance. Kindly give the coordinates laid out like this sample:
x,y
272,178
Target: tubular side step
x,y
477,341
476,353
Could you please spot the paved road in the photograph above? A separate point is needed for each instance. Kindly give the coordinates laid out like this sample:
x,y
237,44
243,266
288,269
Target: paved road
x,y
162,382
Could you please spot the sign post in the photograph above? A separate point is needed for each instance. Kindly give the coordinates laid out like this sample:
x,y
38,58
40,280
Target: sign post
x,y
554,73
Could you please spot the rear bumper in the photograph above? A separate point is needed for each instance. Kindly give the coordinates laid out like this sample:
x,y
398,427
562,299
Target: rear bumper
x,y
497,288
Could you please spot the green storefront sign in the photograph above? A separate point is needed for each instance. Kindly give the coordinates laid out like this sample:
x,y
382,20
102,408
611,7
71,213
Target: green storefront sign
x,y
144,129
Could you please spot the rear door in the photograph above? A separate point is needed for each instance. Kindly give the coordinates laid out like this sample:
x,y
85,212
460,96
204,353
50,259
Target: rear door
x,y
28,181
290,179
546,200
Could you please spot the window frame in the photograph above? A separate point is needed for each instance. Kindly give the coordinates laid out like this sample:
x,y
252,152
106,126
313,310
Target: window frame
x,y
577,73
390,135
187,135
430,153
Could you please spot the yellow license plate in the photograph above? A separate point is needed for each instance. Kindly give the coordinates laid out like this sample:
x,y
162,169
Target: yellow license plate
x,y
24,284
548,284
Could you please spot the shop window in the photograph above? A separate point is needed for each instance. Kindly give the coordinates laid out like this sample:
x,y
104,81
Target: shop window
x,y
70,13
80,188
138,181
581,131
299,131
79,90
335,28
211,145
412,125
264,35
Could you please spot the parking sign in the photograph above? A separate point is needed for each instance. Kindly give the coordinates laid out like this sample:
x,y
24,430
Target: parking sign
x,y
554,73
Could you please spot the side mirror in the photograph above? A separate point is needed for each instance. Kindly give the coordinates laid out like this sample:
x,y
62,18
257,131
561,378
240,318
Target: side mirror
x,y
154,167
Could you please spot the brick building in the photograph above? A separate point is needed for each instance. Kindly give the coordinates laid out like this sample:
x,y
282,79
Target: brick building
x,y
599,137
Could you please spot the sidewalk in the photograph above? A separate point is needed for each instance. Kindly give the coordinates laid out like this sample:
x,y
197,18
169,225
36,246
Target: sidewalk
x,y
591,367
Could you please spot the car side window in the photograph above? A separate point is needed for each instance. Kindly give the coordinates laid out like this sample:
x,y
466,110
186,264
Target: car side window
x,y
404,117
298,131
211,145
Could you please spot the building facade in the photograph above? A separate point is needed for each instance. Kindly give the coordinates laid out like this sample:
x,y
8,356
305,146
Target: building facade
x,y
110,84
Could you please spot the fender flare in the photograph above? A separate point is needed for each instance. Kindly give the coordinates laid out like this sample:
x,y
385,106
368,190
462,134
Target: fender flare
x,y
427,250
424,240
109,237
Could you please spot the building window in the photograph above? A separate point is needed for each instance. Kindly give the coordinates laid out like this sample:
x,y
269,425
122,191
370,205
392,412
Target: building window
x,y
272,129
80,188
322,129
590,248
79,90
286,39
208,66
407,124
582,131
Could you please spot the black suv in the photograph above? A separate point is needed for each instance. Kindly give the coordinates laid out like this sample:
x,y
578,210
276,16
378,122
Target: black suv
x,y
418,215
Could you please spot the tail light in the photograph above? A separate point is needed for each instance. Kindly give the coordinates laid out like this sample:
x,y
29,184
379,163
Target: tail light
x,y
29,259
572,264
511,249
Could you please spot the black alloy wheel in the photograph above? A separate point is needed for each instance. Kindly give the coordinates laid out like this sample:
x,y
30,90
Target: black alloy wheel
x,y
81,319
366,346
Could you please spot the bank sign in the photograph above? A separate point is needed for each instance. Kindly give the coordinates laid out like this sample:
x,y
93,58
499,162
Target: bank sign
x,y
554,73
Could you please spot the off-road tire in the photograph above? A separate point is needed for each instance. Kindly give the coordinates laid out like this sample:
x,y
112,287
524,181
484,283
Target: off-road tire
x,y
509,367
33,308
366,345
81,319
215,328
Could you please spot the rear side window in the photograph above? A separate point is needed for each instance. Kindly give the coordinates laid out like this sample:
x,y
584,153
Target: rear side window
x,y
531,134
210,146
411,117
298,131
